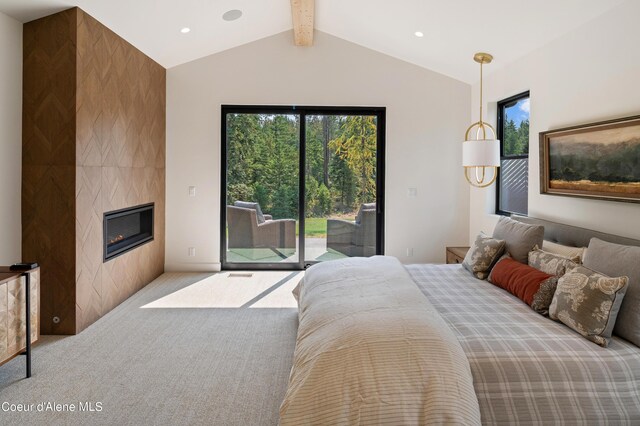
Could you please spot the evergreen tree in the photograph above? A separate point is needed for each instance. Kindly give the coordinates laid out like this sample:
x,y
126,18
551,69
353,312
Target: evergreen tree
x,y
324,200
242,132
511,143
263,162
357,146
311,196
523,136
343,187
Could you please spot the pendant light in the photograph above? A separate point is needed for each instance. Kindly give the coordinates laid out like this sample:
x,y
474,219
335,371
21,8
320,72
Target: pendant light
x,y
481,154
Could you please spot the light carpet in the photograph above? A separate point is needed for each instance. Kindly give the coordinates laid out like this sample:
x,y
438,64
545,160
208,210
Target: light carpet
x,y
189,348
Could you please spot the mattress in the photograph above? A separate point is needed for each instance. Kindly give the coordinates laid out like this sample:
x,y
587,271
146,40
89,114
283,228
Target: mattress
x,y
528,369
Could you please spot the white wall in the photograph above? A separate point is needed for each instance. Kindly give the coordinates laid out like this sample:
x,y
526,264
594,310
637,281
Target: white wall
x,y
427,114
10,139
591,74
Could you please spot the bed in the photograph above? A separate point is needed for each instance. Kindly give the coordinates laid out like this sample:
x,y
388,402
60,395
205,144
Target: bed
x,y
524,367
528,369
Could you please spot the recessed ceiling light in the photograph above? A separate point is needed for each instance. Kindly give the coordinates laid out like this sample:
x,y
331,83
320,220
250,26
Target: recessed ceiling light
x,y
185,30
418,34
232,15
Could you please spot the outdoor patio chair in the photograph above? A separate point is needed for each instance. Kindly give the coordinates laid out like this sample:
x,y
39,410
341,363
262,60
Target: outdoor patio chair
x,y
250,228
354,238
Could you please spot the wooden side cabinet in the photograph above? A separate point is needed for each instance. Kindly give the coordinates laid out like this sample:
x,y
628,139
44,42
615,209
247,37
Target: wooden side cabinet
x,y
12,312
456,254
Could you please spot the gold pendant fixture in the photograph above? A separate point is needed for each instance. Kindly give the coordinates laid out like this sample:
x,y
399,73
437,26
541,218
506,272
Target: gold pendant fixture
x,y
480,153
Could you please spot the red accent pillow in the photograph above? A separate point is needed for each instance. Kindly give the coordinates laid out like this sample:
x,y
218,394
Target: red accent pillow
x,y
528,284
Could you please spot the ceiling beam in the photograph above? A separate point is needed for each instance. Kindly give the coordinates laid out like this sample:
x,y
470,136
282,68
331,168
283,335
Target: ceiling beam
x,y
302,12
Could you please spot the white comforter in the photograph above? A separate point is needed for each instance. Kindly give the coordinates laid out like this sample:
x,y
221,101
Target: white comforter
x,y
371,349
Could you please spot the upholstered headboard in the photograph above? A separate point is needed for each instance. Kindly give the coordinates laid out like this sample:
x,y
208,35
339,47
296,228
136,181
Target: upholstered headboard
x,y
572,235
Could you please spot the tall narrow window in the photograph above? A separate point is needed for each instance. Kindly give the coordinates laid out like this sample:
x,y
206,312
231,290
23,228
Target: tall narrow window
x,y
513,131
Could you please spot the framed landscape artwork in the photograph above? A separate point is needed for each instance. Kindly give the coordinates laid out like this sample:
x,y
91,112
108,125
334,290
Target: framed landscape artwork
x,y
598,160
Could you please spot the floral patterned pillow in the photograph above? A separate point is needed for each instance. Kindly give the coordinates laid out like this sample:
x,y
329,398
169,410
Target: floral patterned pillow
x,y
551,263
482,255
588,302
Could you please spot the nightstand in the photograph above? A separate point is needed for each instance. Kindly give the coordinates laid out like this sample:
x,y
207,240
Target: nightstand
x,y
456,254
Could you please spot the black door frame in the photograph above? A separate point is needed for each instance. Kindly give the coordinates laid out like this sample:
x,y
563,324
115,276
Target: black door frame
x,y
302,112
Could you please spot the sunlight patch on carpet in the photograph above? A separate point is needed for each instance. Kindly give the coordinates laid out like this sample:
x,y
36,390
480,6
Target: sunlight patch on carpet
x,y
256,289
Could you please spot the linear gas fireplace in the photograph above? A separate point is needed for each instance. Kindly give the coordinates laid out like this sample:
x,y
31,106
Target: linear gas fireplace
x,y
127,229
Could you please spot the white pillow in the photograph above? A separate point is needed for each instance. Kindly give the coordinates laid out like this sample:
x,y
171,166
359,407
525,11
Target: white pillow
x,y
564,251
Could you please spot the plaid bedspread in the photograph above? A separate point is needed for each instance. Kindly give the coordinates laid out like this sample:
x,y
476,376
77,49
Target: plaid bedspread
x,y
528,369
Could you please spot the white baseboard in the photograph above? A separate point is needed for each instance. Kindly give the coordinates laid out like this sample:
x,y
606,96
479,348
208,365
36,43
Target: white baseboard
x,y
192,267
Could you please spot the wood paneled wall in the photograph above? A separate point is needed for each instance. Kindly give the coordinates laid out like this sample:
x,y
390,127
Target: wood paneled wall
x,y
48,163
108,140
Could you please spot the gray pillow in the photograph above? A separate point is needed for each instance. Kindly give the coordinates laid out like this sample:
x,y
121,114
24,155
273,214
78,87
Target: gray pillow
x,y
520,238
588,302
617,260
482,255
253,206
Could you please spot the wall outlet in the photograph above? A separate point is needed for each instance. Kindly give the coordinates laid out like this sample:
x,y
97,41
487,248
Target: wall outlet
x,y
192,191
412,192
192,251
410,252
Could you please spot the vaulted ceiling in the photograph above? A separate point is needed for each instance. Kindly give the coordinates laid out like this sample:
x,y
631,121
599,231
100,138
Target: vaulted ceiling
x,y
453,30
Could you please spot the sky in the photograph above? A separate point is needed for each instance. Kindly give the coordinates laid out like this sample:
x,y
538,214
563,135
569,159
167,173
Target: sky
x,y
518,112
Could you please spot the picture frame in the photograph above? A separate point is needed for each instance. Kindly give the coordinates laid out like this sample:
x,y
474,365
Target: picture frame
x,y
597,160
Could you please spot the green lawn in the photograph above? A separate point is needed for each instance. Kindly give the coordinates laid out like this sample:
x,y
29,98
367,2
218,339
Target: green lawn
x,y
316,227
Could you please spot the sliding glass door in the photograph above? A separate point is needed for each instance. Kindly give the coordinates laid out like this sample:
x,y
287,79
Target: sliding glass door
x,y
340,186
300,185
262,188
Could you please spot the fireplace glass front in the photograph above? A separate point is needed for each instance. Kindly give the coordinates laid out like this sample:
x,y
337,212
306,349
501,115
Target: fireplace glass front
x,y
127,229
